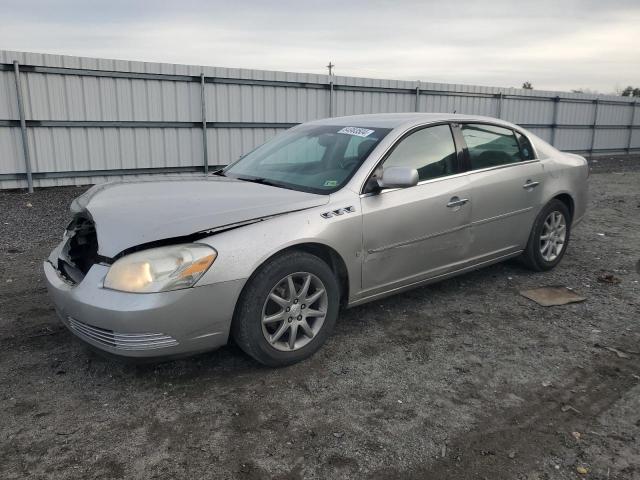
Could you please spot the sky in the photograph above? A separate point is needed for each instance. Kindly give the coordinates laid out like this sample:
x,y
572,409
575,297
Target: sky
x,y
555,45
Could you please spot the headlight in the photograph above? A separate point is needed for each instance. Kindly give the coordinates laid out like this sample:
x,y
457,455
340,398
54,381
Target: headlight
x,y
160,269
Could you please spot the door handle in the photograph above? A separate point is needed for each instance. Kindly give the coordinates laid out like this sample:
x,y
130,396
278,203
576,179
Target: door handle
x,y
457,202
530,184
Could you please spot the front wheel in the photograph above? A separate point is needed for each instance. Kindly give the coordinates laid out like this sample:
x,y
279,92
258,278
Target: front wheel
x,y
549,237
287,310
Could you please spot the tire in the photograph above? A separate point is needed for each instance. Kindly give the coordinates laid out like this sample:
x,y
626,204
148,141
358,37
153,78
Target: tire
x,y
535,256
258,318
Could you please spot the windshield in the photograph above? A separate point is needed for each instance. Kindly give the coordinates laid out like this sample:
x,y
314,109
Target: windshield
x,y
311,158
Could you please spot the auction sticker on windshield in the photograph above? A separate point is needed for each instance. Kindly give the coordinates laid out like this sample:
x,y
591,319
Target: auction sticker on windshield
x,y
358,132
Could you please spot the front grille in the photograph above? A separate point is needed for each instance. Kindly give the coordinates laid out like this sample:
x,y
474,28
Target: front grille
x,y
121,341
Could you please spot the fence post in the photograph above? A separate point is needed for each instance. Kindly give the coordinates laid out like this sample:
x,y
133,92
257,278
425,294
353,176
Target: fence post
x,y
594,126
418,96
23,127
554,120
204,125
634,105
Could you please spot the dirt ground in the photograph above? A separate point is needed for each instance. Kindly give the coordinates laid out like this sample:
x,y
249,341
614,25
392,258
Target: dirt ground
x,y
464,379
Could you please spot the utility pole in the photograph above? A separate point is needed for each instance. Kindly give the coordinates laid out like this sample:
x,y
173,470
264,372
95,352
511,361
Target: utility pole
x,y
330,67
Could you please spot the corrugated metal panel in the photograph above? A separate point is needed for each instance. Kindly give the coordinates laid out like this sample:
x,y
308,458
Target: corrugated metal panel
x,y
353,103
70,97
10,150
459,104
90,180
573,138
8,103
86,98
527,111
226,145
543,133
611,138
574,113
67,149
614,114
250,103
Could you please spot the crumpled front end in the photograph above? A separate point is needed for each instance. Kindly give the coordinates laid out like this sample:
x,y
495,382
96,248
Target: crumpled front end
x,y
171,323
78,251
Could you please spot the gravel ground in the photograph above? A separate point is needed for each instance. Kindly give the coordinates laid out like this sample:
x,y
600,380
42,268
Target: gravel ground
x,y
464,379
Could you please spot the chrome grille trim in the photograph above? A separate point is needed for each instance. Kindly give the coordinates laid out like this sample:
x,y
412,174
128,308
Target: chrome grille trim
x,y
121,341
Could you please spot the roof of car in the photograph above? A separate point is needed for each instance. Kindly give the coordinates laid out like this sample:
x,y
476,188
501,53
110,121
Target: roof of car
x,y
394,120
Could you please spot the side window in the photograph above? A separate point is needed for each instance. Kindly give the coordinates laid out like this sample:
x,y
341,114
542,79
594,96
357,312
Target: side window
x,y
490,146
430,151
525,147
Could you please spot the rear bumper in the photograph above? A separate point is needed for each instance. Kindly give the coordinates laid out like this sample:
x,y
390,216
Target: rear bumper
x,y
162,324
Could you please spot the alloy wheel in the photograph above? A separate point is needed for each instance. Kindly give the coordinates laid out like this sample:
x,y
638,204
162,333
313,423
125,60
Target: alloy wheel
x,y
294,311
553,236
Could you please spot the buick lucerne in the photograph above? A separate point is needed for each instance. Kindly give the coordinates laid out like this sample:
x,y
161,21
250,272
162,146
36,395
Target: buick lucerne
x,y
329,214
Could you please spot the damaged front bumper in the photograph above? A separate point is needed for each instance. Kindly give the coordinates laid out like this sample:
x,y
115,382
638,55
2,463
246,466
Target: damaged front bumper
x,y
162,324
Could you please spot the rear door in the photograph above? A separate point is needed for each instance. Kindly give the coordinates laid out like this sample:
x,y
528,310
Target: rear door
x,y
505,181
419,232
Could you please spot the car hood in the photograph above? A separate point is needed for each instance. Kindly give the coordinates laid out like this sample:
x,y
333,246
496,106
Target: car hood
x,y
129,214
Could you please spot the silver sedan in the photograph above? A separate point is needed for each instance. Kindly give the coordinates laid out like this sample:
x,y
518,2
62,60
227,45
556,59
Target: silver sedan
x,y
328,215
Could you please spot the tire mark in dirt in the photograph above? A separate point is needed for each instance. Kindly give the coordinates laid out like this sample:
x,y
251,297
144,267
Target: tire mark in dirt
x,y
540,428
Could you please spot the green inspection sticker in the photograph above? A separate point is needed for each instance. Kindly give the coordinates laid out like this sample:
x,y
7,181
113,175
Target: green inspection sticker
x,y
331,183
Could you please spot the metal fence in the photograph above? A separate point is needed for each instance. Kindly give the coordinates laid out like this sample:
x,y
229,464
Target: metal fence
x,y
73,120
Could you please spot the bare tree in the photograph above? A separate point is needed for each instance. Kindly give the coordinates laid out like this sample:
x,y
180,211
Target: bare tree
x,y
527,86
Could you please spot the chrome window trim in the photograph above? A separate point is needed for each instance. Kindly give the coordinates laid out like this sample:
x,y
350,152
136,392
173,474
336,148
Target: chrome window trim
x,y
506,165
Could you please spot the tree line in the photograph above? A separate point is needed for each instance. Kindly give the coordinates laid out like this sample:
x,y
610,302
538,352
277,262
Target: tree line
x,y
625,92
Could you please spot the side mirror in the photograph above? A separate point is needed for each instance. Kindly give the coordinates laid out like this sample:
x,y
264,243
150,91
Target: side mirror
x,y
398,177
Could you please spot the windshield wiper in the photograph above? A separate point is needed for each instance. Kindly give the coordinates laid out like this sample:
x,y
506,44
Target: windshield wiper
x,y
260,180
219,172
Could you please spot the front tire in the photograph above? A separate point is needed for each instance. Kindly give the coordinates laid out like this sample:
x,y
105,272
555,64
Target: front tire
x,y
549,237
287,309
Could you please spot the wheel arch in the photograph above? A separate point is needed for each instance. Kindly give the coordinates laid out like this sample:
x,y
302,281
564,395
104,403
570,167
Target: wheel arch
x,y
323,251
567,199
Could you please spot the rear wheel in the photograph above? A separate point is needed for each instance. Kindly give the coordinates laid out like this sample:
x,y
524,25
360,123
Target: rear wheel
x,y
549,237
287,309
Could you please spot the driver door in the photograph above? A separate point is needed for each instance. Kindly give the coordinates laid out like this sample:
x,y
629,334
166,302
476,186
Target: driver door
x,y
419,232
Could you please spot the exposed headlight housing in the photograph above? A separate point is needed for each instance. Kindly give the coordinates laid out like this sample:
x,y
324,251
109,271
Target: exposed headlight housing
x,y
160,269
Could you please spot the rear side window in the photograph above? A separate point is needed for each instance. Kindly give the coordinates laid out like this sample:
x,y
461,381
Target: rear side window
x,y
525,147
490,146
430,151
